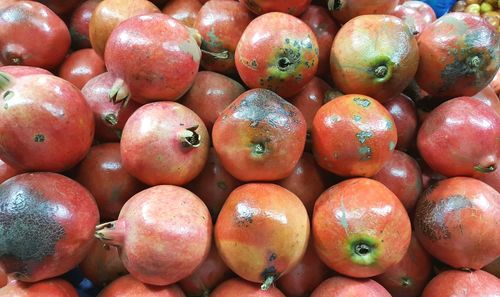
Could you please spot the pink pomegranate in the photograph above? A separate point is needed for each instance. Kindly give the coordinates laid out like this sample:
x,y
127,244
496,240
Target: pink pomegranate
x,y
81,66
128,286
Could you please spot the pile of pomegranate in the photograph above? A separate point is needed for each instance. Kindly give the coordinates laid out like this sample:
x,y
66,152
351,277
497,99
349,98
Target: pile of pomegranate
x,y
251,148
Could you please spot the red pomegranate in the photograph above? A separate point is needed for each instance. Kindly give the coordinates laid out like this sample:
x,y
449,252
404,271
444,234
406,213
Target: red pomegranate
x,y
262,232
239,287
293,7
128,286
404,113
164,143
185,11
340,286
488,97
46,224
7,171
163,234
446,222
45,123
360,228
463,283
19,71
412,18
344,10
260,136
61,7
79,24
52,287
282,59
423,8
81,66
491,178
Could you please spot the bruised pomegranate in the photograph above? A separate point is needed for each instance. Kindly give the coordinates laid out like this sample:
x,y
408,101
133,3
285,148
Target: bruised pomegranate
x,y
463,283
360,228
404,113
460,137
262,232
344,10
185,11
340,286
81,66
239,287
52,287
19,23
283,59
45,123
164,143
79,24
147,234
7,171
18,71
447,224
260,136
46,225
128,286
293,7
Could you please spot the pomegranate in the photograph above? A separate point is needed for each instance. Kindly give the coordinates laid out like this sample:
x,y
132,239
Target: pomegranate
x,y
461,137
412,18
459,55
162,66
109,14
491,178
45,123
278,52
463,283
102,173
423,8
384,51
446,222
128,286
79,24
164,143
22,20
239,287
52,287
185,11
260,136
7,171
61,7
340,286
344,10
409,276
163,234
293,7
18,71
488,97
46,225
353,135
360,228
262,232
210,94
81,66
404,113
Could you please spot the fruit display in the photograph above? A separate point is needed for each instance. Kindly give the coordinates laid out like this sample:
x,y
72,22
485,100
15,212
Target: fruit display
x,y
249,148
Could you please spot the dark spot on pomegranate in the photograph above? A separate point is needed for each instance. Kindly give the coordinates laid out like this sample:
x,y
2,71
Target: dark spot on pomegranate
x,y
363,102
39,138
244,216
363,136
273,257
7,95
270,271
365,152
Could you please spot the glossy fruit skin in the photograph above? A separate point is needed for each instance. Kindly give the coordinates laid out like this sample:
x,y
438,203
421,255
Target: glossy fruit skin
x,y
49,221
7,171
262,231
136,51
185,11
52,287
460,137
154,150
447,218
19,71
240,287
102,173
58,132
491,178
404,114
283,59
353,135
21,21
343,11
81,66
461,64
128,286
384,51
409,277
260,136
488,97
80,22
147,234
423,8
102,265
352,236
455,282
221,25
402,175
340,286
210,94
109,14
60,7
293,7
412,18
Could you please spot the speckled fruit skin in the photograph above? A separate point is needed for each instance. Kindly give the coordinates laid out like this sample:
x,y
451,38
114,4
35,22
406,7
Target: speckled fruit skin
x,y
7,171
344,10
375,55
153,146
47,221
185,11
80,22
351,233
155,55
353,135
262,232
260,136
461,64
283,59
239,287
448,217
461,137
463,283
221,24
109,14
404,114
147,234
18,70
45,124
293,7
53,287
22,20
340,286
128,286
81,66
409,277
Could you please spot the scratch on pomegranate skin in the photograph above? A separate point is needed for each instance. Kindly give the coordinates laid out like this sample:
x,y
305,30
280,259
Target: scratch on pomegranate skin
x,y
343,216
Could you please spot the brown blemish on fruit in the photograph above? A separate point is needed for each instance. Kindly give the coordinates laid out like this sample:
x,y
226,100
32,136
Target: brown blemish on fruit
x,y
39,138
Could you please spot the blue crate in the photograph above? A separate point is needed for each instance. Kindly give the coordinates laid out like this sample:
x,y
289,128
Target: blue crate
x,y
441,7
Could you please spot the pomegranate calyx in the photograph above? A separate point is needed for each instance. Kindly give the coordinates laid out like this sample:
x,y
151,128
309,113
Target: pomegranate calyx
x,y
189,137
110,233
485,169
119,93
268,282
